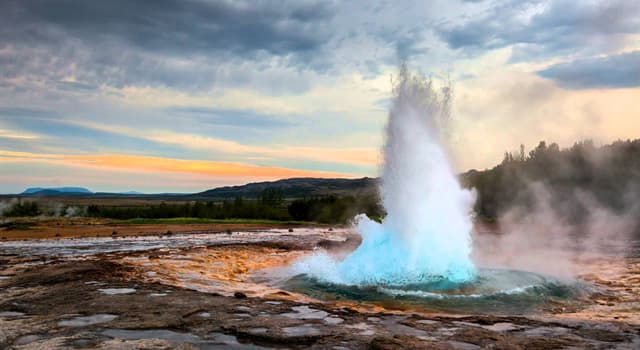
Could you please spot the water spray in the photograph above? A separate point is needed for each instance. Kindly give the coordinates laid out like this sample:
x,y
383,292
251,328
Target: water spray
x,y
426,235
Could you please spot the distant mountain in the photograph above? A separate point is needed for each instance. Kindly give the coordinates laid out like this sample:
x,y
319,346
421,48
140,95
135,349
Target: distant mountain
x,y
294,188
131,193
56,190
291,188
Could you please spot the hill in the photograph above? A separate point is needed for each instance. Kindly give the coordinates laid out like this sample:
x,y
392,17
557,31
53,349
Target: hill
x,y
294,188
55,191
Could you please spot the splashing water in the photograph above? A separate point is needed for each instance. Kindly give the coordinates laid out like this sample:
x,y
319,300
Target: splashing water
x,y
426,235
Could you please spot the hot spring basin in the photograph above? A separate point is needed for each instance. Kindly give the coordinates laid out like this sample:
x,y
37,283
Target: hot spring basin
x,y
495,291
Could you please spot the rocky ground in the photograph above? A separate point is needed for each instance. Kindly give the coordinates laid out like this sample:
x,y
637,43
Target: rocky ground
x,y
206,297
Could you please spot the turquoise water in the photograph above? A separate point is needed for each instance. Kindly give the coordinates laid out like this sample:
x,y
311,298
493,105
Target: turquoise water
x,y
493,291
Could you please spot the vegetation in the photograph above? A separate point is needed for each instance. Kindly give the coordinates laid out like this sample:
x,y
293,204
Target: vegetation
x,y
270,205
187,221
572,179
20,208
333,209
293,188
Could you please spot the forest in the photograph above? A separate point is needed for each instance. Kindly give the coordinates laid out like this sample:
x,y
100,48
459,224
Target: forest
x,y
572,179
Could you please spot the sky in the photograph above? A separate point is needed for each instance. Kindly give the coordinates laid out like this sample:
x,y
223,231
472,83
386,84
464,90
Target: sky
x,y
183,96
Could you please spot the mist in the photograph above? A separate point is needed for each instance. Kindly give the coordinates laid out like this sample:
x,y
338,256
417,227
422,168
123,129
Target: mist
x,y
579,209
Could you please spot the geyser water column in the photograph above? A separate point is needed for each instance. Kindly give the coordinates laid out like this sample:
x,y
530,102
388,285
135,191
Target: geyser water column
x,y
426,235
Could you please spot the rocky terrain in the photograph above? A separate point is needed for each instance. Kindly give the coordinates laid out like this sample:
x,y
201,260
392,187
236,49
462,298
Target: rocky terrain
x,y
207,295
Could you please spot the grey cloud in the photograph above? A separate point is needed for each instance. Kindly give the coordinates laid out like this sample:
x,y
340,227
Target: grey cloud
x,y
181,44
616,71
245,27
561,28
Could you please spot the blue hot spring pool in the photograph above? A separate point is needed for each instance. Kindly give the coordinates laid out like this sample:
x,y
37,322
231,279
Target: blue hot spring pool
x,y
495,291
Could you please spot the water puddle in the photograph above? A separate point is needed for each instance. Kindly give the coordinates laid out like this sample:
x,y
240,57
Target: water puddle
x,y
116,291
332,321
258,331
152,334
93,283
501,327
300,331
11,314
83,321
463,346
306,313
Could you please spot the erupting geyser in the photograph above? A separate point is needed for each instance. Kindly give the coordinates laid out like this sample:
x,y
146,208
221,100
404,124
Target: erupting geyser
x,y
426,235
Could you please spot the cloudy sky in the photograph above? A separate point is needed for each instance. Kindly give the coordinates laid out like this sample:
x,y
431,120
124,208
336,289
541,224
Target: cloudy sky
x,y
180,96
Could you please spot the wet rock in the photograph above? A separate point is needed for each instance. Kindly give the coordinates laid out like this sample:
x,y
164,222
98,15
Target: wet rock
x,y
479,336
404,342
602,335
295,336
364,328
62,272
459,345
45,290
27,339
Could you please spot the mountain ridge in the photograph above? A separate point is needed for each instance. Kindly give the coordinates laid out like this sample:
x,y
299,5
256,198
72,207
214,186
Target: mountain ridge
x,y
62,190
297,187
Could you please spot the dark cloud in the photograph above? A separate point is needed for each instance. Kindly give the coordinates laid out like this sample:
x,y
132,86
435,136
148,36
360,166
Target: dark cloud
x,y
245,27
616,71
232,117
558,27
183,44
